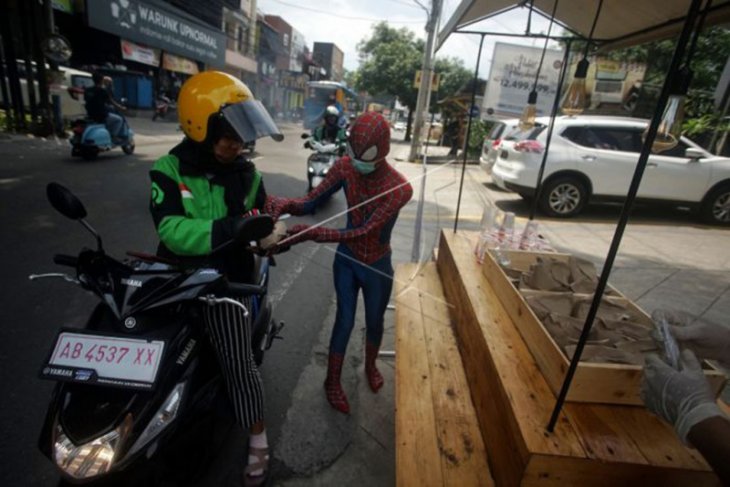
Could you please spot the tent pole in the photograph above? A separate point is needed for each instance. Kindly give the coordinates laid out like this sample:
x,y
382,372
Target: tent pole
x,y
628,206
551,124
468,130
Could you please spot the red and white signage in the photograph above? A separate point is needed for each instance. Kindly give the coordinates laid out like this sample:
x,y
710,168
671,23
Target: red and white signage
x,y
115,360
140,54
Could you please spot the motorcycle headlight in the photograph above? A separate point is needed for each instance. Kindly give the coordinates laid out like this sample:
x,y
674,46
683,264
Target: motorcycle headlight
x,y
162,418
310,169
92,458
325,171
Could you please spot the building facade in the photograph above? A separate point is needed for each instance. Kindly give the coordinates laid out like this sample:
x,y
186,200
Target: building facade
x,y
239,26
331,58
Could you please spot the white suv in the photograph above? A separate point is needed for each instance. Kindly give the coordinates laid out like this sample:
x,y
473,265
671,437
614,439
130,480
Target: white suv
x,y
593,158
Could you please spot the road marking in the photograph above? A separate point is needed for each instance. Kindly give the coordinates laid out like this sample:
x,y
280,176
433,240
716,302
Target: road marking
x,y
304,259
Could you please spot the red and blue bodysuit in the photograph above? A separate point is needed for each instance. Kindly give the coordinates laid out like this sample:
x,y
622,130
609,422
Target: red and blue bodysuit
x,y
375,193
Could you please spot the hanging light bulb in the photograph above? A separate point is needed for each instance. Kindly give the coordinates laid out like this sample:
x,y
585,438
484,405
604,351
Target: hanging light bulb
x,y
527,121
574,101
670,126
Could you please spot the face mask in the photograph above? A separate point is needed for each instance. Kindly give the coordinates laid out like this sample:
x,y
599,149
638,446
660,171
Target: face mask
x,y
363,167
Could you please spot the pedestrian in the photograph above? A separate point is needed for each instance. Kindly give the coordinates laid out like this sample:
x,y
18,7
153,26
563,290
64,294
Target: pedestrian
x,y
98,102
199,191
375,193
683,397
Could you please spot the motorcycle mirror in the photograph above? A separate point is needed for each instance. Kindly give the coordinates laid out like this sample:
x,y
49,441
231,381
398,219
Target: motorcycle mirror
x,y
305,136
65,202
253,228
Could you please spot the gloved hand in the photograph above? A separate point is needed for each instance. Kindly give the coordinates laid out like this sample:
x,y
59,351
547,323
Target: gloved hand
x,y
275,206
681,397
706,340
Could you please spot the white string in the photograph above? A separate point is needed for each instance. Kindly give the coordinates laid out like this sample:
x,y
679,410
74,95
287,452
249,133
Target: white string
x,y
327,220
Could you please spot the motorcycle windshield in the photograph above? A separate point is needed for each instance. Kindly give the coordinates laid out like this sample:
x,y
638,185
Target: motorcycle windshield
x,y
251,121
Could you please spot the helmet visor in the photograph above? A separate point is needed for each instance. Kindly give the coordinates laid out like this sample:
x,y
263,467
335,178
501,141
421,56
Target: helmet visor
x,y
251,121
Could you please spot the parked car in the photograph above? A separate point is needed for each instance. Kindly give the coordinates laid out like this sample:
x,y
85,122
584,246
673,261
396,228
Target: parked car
x,y
592,159
70,89
490,147
399,126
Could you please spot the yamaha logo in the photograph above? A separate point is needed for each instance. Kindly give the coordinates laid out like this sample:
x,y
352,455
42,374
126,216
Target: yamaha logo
x,y
130,322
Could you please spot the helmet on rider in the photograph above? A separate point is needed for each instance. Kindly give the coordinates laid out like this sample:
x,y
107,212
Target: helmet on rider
x,y
369,139
212,104
331,115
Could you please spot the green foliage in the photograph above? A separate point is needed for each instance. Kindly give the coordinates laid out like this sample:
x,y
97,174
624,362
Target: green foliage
x,y
388,63
479,130
389,59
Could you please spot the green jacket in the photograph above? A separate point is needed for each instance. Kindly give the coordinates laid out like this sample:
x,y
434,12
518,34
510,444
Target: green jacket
x,y
195,202
321,133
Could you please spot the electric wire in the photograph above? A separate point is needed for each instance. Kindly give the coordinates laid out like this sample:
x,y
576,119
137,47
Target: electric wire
x,y
339,16
547,38
593,28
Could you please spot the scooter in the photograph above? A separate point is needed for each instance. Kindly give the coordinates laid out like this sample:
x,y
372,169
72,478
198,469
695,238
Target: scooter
x,y
162,106
136,379
321,160
89,138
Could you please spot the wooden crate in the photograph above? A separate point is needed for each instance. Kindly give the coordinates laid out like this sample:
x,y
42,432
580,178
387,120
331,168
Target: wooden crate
x,y
593,444
592,382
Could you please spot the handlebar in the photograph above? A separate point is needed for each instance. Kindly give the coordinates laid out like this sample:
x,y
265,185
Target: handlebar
x,y
67,260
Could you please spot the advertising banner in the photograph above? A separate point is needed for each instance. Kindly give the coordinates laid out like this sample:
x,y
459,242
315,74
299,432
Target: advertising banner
x,y
140,54
160,27
512,77
178,64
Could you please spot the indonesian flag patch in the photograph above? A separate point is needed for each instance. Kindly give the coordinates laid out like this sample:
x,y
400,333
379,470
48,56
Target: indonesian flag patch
x,y
185,191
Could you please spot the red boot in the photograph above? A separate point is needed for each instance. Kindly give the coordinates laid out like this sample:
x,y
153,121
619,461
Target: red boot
x,y
375,379
332,387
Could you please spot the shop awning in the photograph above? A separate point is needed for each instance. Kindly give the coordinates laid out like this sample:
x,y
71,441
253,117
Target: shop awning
x,y
621,23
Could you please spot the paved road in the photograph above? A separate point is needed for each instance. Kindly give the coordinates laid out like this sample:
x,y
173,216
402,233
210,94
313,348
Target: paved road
x,y
114,189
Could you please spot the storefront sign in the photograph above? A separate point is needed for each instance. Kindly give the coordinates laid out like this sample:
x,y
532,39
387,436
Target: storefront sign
x,y
140,54
292,80
512,77
160,27
178,64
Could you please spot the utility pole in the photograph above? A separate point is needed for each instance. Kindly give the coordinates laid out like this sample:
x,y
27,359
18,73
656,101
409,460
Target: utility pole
x,y
424,90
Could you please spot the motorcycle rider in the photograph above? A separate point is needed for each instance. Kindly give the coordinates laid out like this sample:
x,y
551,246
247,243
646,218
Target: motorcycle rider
x,y
98,100
375,193
330,130
200,190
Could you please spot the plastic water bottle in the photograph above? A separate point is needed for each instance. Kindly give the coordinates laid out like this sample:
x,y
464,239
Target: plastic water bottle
x,y
528,241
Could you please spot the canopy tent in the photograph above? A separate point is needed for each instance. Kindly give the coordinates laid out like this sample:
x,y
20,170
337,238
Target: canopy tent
x,y
622,22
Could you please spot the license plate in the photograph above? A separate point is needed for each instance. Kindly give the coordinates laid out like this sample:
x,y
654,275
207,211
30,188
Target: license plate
x,y
105,360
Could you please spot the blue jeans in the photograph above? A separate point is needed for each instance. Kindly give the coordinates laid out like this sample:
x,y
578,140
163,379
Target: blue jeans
x,y
376,282
114,124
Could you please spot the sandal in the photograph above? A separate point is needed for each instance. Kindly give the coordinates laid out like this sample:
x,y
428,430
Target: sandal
x,y
261,463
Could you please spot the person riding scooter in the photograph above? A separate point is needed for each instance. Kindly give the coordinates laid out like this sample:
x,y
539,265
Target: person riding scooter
x,y
330,130
98,101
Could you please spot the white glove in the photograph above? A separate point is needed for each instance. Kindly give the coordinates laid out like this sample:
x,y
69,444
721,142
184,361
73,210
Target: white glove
x,y
273,238
707,341
681,397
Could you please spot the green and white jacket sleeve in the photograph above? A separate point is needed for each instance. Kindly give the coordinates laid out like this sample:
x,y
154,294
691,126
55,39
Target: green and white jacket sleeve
x,y
189,214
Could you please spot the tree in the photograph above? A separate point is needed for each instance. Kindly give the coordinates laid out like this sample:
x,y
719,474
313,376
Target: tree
x,y
389,59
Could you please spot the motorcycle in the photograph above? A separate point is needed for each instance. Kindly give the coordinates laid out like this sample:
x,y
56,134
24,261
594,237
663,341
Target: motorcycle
x,y
321,160
142,372
162,106
90,137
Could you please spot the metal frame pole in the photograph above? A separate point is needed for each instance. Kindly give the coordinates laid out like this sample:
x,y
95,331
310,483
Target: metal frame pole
x,y
468,130
551,124
628,206
416,249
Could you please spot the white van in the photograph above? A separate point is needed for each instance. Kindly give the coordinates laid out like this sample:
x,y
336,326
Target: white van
x,y
70,88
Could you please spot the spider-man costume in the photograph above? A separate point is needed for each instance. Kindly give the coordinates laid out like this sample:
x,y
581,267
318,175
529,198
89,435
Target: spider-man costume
x,y
375,193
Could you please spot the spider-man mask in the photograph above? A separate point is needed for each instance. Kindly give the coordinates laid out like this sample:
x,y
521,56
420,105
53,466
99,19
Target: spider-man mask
x,y
369,141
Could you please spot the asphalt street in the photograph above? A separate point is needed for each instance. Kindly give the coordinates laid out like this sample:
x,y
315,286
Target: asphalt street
x,y
115,189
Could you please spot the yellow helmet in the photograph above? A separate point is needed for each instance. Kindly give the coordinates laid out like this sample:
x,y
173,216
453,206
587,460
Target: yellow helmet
x,y
215,93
